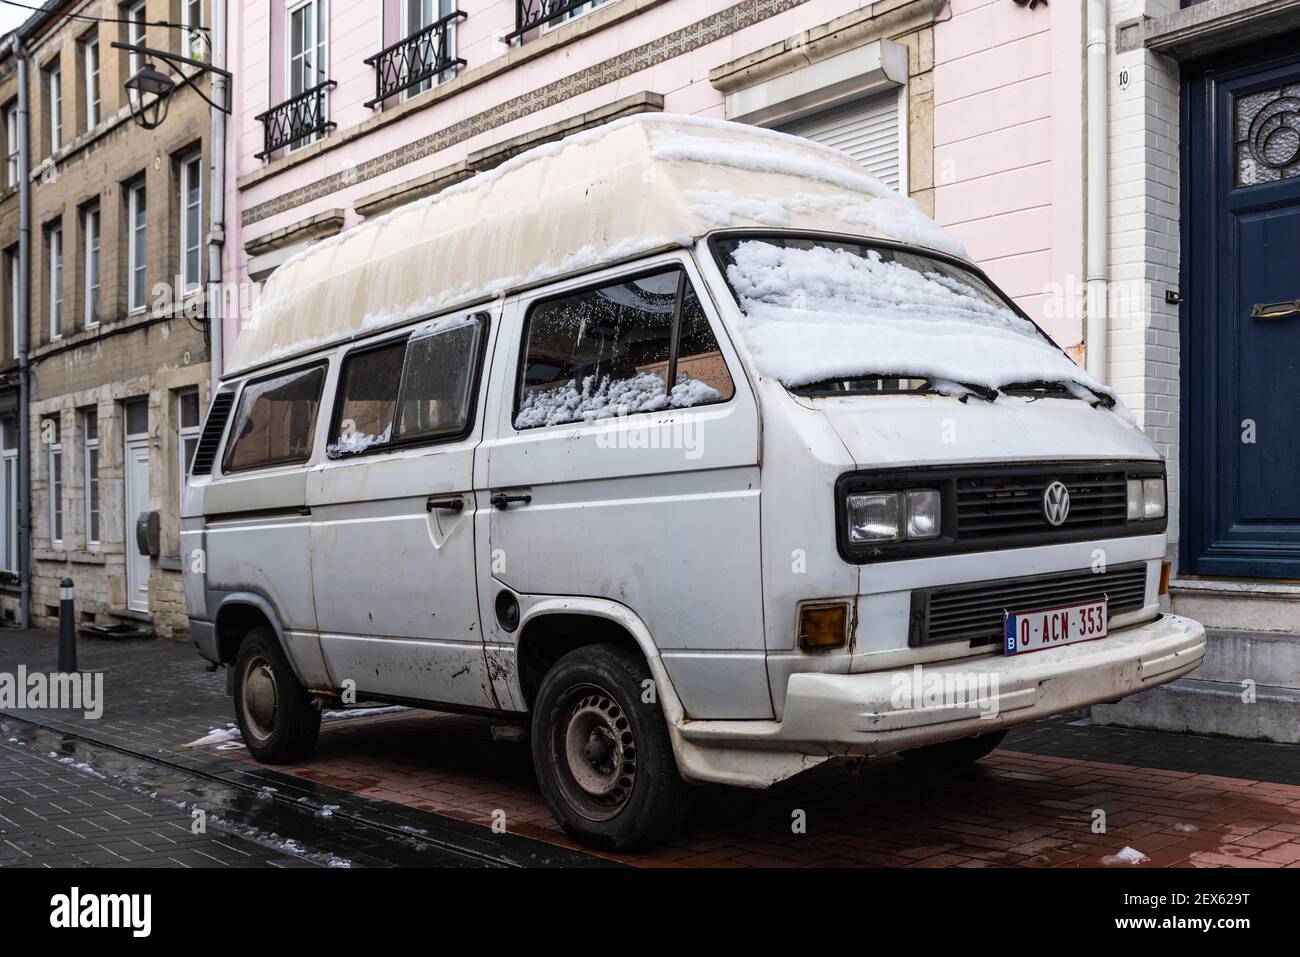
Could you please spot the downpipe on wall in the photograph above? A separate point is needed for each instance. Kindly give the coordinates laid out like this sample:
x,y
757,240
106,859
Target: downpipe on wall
x,y
22,334
1098,189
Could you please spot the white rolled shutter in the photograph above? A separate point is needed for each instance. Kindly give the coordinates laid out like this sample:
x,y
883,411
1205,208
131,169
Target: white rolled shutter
x,y
866,129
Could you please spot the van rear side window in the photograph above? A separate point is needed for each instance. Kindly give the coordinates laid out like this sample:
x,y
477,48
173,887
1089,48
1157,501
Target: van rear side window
x,y
609,351
412,390
276,420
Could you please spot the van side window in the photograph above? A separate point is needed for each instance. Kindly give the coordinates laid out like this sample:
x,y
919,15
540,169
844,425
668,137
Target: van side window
x,y
438,381
609,351
367,399
276,420
414,389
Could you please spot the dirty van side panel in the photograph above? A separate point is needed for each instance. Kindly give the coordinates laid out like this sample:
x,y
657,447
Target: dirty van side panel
x,y
393,543
257,537
655,511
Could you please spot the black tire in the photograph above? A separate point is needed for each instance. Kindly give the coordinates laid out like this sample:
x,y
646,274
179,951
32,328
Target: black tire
x,y
602,755
278,719
954,754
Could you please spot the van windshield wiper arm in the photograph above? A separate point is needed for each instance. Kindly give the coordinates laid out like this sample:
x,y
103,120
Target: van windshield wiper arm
x,y
886,383
1103,399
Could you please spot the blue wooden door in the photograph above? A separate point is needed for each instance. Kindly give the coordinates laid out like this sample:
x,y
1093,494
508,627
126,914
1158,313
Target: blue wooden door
x,y
1241,318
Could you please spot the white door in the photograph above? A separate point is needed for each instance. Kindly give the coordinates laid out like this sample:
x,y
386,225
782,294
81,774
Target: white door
x,y
392,519
137,503
866,129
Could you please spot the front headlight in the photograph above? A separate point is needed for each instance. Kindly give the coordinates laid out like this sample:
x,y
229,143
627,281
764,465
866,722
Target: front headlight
x,y
875,517
913,515
1146,499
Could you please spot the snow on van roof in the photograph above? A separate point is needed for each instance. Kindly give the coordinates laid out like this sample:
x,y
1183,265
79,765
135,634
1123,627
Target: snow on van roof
x,y
646,182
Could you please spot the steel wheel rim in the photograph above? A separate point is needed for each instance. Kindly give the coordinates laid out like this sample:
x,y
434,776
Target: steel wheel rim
x,y
260,697
595,752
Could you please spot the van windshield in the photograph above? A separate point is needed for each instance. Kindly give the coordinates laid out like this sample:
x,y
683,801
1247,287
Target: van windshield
x,y
825,316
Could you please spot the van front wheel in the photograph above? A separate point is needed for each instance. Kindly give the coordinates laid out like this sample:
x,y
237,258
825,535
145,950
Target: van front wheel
x,y
278,719
602,754
954,754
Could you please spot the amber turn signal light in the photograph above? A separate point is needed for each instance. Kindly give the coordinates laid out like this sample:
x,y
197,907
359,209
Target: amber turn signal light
x,y
823,627
1166,569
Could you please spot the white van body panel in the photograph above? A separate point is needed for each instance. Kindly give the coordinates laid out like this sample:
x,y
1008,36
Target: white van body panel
x,y
394,579
660,530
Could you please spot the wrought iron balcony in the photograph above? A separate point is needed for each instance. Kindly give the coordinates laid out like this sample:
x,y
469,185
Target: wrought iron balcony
x,y
296,119
412,60
531,14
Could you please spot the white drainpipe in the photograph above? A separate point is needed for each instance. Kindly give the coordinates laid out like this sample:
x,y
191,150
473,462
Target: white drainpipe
x,y
220,92
1098,204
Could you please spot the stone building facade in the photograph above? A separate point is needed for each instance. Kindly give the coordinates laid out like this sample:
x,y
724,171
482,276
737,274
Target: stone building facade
x,y
117,344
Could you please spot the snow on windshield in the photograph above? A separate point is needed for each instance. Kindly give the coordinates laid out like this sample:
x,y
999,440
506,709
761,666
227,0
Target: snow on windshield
x,y
812,313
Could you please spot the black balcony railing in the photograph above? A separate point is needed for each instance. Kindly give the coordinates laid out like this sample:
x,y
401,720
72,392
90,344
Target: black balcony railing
x,y
296,120
416,59
530,14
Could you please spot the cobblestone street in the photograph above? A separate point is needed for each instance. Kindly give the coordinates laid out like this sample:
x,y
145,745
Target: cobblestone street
x,y
421,788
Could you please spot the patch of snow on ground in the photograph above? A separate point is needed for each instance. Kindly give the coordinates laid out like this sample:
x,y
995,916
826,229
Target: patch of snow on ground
x,y
821,313
216,736
1128,855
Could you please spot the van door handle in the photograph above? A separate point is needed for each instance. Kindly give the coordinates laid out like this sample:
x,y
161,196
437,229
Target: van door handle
x,y
448,504
502,500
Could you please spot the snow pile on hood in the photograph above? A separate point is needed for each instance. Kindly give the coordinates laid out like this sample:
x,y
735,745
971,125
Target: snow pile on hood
x,y
811,314
643,392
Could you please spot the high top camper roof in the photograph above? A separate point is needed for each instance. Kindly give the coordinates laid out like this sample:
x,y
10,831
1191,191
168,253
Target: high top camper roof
x,y
641,183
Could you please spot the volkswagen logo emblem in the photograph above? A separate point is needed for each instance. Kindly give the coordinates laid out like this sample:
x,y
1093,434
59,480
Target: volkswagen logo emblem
x,y
1056,503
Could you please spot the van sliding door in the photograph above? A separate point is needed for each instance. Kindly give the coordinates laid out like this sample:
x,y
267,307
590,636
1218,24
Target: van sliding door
x,y
392,522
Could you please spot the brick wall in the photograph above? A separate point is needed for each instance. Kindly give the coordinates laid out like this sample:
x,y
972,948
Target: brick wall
x,y
1144,243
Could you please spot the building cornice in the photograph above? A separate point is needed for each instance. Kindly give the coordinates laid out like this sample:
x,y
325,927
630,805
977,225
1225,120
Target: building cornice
x,y
1208,26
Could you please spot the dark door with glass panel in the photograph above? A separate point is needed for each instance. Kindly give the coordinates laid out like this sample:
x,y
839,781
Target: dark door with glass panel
x,y
1241,321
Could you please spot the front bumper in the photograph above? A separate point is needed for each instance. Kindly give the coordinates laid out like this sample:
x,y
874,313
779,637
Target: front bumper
x,y
877,713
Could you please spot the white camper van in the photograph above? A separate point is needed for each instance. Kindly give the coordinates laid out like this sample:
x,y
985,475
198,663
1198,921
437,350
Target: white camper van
x,y
693,447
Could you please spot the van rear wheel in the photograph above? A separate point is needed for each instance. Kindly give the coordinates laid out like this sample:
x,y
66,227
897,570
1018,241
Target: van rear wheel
x,y
602,755
954,754
278,719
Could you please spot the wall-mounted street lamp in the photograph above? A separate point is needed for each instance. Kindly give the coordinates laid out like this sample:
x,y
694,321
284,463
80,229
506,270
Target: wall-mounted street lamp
x,y
149,90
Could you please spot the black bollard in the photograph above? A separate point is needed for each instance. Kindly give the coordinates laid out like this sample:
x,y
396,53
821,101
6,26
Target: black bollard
x,y
67,628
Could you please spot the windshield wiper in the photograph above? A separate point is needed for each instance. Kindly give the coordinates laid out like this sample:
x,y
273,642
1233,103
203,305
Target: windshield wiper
x,y
1061,386
895,383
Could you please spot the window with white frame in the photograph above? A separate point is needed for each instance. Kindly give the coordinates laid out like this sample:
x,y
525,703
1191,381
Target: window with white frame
x,y
54,91
191,231
54,457
90,69
90,222
90,434
192,19
136,246
135,33
9,492
418,14
574,13
54,269
306,54
189,428
11,144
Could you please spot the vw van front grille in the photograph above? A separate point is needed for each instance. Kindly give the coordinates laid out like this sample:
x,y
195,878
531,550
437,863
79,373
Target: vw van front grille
x,y
993,506
974,612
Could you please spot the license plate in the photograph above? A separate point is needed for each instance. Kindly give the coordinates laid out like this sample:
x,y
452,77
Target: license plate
x,y
1052,627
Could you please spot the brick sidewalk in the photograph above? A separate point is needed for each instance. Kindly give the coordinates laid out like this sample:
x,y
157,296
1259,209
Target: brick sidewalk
x,y
1179,799
1012,809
